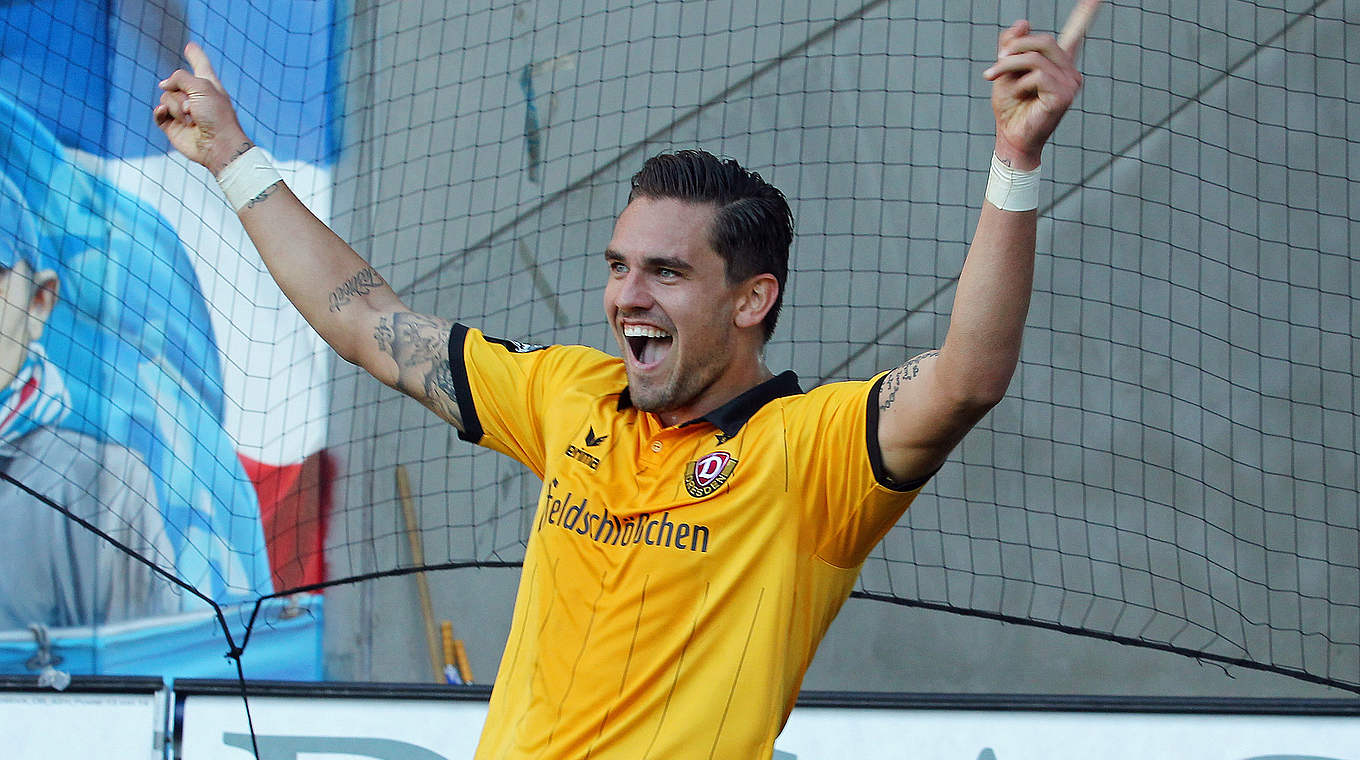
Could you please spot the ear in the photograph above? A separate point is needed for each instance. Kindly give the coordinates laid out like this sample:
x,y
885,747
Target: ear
x,y
756,298
45,288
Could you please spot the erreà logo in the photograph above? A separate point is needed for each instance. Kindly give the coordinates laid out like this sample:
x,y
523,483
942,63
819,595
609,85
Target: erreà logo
x,y
709,473
515,346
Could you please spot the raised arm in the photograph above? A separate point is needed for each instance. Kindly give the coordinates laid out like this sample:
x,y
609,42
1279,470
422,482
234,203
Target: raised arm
x,y
343,298
929,403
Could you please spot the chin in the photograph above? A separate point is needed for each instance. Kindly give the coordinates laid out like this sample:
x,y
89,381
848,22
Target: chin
x,y
655,397
645,399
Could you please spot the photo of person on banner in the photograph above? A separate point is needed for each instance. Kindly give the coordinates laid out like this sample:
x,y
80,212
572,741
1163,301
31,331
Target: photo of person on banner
x,y
112,404
57,573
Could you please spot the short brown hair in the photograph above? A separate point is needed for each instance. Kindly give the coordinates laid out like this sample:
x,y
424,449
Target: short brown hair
x,y
753,227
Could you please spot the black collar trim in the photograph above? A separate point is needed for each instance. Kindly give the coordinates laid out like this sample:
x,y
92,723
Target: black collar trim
x,y
730,417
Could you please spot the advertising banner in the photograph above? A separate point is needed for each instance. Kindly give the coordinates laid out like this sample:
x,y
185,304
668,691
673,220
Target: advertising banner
x,y
302,727
44,725
215,728
826,733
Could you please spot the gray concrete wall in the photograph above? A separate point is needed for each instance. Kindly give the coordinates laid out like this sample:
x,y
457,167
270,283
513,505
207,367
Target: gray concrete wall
x,y
1188,378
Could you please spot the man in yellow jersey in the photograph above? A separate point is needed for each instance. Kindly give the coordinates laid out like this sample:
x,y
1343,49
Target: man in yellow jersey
x,y
702,519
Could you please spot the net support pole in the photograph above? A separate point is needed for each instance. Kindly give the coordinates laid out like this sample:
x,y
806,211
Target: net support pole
x,y
408,510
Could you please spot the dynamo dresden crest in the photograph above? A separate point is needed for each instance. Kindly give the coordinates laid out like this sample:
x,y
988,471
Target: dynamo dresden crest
x,y
709,473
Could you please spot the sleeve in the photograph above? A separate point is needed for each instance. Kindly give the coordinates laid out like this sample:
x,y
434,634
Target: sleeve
x,y
502,386
87,580
129,588
852,501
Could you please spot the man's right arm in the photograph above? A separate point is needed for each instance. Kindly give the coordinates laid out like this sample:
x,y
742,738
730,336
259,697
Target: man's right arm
x,y
340,295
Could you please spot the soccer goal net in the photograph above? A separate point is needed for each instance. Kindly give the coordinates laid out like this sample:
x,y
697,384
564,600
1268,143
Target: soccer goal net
x,y
1174,466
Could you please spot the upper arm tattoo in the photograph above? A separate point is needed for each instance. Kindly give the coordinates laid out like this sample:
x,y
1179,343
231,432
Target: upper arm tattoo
x,y
895,380
419,346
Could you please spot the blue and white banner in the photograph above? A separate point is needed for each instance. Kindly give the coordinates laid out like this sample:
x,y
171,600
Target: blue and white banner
x,y
196,396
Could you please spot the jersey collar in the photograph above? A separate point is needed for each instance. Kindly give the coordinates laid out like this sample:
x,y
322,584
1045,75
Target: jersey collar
x,y
730,417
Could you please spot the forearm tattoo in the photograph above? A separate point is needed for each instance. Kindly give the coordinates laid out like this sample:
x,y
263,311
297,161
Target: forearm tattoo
x,y
418,345
264,194
363,282
898,378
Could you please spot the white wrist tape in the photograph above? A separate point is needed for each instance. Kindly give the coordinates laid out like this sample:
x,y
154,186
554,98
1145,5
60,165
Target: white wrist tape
x,y
1011,189
247,176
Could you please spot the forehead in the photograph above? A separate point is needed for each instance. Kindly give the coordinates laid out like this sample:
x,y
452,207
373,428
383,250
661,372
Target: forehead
x,y
664,227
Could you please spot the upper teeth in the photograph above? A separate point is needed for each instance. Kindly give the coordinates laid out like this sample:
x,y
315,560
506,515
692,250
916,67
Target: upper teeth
x,y
644,331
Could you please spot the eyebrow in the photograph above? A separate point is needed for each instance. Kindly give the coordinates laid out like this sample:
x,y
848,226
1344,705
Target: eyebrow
x,y
653,262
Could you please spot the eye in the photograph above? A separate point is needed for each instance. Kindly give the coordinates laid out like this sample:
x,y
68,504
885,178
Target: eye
x,y
617,267
667,274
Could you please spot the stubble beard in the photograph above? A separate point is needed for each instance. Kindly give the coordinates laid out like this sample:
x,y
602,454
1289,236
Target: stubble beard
x,y
656,397
677,389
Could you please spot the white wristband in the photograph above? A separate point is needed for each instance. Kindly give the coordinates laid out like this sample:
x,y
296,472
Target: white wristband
x,y
247,177
1011,189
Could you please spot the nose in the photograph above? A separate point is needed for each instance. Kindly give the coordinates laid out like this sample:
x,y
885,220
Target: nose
x,y
630,292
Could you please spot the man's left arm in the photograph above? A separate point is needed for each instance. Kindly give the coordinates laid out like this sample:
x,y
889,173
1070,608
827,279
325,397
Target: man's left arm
x,y
928,404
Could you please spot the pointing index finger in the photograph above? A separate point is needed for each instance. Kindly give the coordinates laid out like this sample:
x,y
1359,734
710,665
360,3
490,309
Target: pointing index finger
x,y
1074,31
198,60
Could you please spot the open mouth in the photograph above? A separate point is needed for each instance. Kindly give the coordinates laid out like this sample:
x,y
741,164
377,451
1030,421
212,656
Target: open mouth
x,y
648,345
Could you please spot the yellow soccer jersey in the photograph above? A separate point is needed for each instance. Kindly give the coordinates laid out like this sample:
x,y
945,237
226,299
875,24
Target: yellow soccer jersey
x,y
677,580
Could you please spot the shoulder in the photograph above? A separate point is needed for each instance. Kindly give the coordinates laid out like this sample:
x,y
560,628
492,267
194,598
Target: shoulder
x,y
837,423
55,450
475,347
58,457
62,449
844,401
61,465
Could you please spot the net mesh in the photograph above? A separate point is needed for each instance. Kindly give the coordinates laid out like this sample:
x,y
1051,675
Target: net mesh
x,y
1175,464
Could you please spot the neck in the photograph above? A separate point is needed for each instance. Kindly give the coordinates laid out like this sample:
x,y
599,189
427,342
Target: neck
x,y
11,362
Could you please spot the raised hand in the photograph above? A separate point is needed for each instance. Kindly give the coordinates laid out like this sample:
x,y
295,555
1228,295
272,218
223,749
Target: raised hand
x,y
196,114
1034,80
